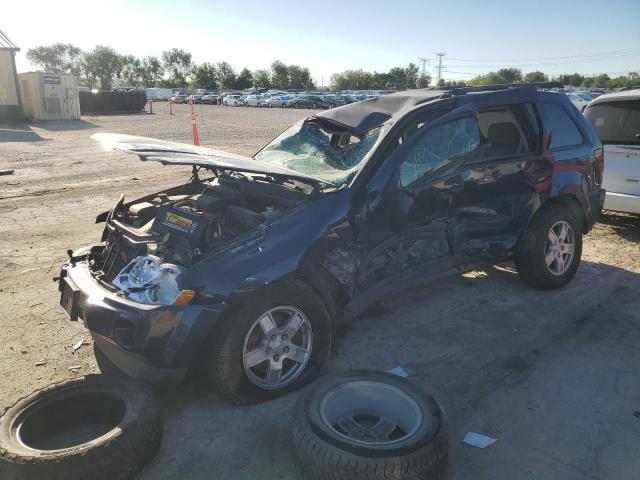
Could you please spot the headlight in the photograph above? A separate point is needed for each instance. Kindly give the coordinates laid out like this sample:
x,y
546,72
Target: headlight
x,y
149,280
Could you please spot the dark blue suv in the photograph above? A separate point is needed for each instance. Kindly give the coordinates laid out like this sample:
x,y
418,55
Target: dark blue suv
x,y
244,269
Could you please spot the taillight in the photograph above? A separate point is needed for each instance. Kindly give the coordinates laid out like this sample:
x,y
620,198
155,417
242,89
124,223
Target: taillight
x,y
599,156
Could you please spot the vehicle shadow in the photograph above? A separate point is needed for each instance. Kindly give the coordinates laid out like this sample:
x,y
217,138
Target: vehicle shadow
x,y
66,125
502,358
625,225
19,133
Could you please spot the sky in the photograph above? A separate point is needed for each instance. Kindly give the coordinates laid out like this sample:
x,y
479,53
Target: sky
x,y
333,36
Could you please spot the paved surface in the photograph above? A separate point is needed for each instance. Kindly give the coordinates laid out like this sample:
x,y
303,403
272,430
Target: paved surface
x,y
555,376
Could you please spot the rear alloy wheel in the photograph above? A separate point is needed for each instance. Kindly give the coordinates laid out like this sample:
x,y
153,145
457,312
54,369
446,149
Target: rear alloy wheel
x,y
559,248
548,253
272,344
369,425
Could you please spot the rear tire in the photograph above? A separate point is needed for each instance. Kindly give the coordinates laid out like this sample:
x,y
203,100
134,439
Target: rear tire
x,y
539,262
226,366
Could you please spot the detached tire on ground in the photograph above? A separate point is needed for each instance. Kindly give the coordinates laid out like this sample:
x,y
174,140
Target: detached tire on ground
x,y
369,426
96,427
549,252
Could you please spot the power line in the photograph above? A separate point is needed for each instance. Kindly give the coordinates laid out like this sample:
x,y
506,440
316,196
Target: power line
x,y
566,57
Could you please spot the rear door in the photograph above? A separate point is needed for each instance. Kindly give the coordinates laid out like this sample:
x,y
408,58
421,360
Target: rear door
x,y
496,191
618,126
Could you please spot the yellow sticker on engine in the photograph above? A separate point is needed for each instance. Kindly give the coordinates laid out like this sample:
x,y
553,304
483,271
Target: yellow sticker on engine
x,y
181,223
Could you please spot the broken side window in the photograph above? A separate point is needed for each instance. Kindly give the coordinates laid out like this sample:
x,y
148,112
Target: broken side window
x,y
438,146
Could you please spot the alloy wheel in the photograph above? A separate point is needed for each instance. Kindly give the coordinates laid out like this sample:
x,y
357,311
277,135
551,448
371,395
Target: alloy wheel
x,y
559,248
277,347
371,413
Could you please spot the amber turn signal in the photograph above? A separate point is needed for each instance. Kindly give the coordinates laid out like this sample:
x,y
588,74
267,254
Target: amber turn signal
x,y
185,297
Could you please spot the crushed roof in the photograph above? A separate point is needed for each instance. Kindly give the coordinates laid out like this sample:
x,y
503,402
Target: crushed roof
x,y
360,117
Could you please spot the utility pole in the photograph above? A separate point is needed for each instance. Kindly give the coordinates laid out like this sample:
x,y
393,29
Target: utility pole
x,y
423,65
439,68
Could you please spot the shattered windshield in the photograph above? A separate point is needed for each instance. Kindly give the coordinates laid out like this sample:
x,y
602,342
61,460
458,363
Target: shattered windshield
x,y
329,155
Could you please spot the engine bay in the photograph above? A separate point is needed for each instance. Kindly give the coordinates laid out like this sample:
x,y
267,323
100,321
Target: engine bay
x,y
150,241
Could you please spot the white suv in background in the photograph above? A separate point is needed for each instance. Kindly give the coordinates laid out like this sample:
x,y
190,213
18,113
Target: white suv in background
x,y
616,117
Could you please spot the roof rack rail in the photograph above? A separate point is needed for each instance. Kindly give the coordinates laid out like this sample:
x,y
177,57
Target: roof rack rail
x,y
502,86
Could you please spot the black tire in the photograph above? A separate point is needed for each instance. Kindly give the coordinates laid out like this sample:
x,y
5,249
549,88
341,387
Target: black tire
x,y
325,454
225,366
125,434
315,105
530,251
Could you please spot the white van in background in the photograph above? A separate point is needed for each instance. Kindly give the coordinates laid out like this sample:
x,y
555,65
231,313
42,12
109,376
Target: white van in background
x,y
616,117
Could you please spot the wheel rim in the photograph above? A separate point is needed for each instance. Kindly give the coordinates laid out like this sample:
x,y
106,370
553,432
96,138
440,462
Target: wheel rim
x,y
277,347
560,248
371,413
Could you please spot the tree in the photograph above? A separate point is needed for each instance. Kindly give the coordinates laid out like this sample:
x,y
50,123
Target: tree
x,y
103,64
151,71
131,71
243,80
299,77
204,76
423,81
536,76
602,81
58,58
574,79
226,76
504,75
261,79
411,76
279,75
177,63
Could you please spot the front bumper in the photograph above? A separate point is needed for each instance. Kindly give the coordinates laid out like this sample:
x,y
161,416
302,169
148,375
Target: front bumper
x,y
154,343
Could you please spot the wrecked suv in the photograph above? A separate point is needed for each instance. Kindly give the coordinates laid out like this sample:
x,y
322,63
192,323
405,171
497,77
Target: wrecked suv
x,y
242,269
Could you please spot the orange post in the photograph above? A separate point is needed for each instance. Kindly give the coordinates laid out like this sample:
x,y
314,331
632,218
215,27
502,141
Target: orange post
x,y
196,139
170,107
150,102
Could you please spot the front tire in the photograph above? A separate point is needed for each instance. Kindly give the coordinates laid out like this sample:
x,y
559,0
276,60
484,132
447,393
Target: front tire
x,y
549,252
271,345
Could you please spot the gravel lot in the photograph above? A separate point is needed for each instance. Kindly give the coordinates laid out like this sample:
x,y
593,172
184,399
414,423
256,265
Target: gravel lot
x,y
555,376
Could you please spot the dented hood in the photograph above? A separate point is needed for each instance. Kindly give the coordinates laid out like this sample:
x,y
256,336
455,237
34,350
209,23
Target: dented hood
x,y
175,153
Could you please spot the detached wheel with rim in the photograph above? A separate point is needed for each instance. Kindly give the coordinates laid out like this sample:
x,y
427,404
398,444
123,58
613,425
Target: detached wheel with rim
x,y
369,425
97,427
549,252
274,343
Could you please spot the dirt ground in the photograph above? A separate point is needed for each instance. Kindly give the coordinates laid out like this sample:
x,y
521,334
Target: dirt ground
x,y
555,376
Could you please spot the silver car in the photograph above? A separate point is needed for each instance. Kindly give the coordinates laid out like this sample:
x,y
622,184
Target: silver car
x,y
279,101
233,100
255,101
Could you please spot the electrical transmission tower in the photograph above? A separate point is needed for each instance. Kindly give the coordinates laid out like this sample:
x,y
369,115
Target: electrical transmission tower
x,y
423,65
439,68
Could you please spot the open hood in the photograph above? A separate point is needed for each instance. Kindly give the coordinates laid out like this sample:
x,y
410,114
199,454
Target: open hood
x,y
175,153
